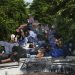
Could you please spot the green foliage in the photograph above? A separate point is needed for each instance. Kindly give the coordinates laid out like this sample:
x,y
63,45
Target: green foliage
x,y
58,12
12,14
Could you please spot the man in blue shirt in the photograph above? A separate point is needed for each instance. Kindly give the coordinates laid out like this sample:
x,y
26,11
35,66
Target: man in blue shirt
x,y
57,48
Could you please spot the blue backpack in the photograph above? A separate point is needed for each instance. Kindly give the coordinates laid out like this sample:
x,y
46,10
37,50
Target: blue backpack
x,y
57,52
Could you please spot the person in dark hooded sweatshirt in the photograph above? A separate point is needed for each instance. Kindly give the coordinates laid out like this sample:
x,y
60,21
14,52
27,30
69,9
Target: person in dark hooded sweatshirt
x,y
18,52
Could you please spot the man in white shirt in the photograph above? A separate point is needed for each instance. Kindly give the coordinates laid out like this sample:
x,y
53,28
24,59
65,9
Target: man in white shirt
x,y
32,36
32,33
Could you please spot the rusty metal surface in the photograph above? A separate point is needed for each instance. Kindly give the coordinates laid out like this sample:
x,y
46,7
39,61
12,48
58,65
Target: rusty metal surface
x,y
65,66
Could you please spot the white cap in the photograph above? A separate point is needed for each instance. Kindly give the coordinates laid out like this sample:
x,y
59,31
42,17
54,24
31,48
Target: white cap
x,y
53,26
12,36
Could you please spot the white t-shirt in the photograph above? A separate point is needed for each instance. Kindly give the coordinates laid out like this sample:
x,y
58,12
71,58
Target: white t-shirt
x,y
32,34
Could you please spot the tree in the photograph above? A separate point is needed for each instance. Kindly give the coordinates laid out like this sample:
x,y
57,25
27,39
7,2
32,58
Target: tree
x,y
57,12
12,14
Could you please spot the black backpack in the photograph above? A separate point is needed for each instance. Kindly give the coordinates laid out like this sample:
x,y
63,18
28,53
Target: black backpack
x,y
21,52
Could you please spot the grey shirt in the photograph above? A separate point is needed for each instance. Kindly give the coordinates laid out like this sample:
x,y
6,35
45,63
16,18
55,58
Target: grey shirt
x,y
8,46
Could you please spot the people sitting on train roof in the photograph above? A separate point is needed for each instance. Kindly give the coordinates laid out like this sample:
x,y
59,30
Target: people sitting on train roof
x,y
17,53
32,49
22,38
57,50
40,53
8,45
47,48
